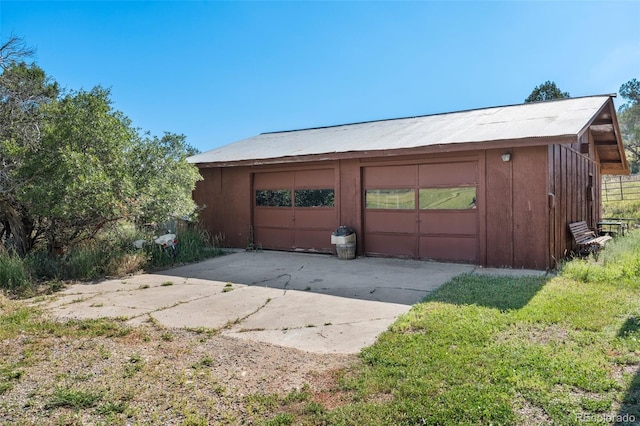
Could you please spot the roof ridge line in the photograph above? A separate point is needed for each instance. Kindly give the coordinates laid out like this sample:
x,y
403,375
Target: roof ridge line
x,y
435,114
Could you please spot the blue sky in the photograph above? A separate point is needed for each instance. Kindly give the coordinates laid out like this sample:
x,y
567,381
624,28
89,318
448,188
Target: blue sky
x,y
219,72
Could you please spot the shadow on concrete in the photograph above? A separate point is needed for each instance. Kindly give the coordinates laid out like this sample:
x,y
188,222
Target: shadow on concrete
x,y
399,281
504,294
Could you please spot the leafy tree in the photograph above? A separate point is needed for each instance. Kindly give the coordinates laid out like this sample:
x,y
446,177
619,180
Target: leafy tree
x,y
545,92
629,120
71,165
163,179
23,90
77,179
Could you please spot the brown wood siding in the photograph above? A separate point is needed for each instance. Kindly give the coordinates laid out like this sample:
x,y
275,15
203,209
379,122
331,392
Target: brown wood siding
x,y
570,176
349,182
530,214
499,217
517,216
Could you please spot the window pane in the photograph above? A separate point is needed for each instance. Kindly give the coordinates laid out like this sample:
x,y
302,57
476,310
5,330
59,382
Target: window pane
x,y
390,199
273,198
448,198
314,197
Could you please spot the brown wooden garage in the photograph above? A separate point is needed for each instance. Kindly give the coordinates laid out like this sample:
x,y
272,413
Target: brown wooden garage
x,y
495,186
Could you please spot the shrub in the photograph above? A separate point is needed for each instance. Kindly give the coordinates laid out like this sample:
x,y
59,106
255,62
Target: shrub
x,y
15,278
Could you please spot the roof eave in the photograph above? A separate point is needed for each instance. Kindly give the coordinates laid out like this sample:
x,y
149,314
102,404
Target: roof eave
x,y
430,149
619,166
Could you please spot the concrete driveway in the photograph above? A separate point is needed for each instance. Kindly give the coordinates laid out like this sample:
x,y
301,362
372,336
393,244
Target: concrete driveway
x,y
311,302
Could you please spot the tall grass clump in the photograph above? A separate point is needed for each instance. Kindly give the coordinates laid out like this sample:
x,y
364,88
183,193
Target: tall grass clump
x,y
195,244
110,253
15,278
618,263
628,209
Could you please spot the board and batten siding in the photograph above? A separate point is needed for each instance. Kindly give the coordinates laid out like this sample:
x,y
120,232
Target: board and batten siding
x,y
574,181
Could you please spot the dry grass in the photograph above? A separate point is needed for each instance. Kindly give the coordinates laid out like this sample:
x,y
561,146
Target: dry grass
x,y
106,372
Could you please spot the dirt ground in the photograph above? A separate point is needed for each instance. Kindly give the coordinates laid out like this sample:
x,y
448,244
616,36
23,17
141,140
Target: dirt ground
x,y
155,375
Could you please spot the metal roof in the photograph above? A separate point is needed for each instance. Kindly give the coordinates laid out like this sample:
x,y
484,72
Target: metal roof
x,y
564,117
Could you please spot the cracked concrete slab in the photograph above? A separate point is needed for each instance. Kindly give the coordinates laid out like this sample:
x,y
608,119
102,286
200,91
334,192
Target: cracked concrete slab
x,y
316,303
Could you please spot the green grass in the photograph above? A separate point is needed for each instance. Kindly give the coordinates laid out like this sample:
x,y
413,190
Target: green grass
x,y
73,398
14,275
480,350
504,351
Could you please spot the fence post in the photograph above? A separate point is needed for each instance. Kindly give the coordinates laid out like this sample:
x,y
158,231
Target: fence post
x,y
621,193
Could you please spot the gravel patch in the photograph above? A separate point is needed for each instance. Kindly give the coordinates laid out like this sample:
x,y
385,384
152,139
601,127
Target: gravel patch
x,y
155,375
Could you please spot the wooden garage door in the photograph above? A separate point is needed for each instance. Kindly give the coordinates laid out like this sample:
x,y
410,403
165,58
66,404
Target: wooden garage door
x,y
294,210
424,211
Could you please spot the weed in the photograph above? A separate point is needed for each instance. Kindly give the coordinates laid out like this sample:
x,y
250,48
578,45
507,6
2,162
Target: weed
x,y
298,395
134,365
166,284
282,419
204,362
167,336
227,287
104,352
9,375
112,408
314,408
144,286
73,398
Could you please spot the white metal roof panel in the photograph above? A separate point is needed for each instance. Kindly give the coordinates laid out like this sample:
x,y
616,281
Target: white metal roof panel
x,y
564,117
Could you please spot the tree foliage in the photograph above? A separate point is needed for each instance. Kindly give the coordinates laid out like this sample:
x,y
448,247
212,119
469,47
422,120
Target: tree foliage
x,y
545,92
71,165
629,120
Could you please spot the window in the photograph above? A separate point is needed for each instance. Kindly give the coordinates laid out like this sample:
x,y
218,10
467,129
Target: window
x,y
390,199
273,198
461,198
314,198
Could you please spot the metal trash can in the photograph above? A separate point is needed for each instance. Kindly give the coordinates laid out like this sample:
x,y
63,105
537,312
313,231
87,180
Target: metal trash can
x,y
345,240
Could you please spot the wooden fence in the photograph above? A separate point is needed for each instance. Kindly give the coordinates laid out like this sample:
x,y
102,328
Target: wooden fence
x,y
621,188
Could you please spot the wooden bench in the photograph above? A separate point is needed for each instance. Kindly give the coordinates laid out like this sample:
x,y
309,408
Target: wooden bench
x,y
585,238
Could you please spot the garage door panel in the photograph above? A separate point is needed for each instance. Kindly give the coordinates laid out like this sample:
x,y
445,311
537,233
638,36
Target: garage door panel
x,y
313,240
273,217
307,222
273,180
390,221
449,248
390,176
390,245
274,238
449,223
445,174
323,178
443,222
321,218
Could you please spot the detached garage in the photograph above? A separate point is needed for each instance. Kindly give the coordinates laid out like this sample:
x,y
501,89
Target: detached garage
x,y
494,187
